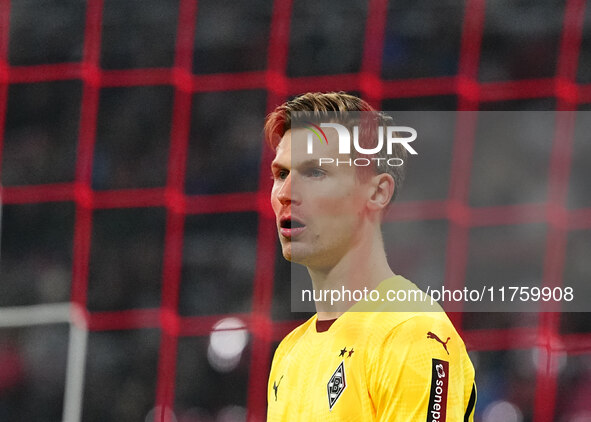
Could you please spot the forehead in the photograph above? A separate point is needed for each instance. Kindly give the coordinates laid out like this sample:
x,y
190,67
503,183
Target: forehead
x,y
296,147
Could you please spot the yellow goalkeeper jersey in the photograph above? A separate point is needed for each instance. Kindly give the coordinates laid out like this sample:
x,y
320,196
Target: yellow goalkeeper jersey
x,y
373,366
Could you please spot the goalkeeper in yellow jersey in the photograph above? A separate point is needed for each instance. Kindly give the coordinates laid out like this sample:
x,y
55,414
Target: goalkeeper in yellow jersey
x,y
354,360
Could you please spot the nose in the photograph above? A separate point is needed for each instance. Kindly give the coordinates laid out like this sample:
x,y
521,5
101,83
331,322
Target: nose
x,y
284,193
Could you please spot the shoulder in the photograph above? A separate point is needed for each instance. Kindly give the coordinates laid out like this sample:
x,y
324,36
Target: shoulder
x,y
401,307
409,327
412,345
399,295
425,326
293,337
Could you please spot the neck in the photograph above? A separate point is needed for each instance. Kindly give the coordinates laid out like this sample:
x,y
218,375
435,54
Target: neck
x,y
364,266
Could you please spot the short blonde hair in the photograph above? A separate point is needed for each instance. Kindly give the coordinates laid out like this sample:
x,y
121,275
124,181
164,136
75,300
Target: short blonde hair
x,y
319,105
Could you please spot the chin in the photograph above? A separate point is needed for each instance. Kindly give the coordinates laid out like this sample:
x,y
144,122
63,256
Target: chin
x,y
295,257
286,250
299,256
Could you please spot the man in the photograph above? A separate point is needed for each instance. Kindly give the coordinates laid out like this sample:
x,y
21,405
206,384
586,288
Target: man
x,y
353,361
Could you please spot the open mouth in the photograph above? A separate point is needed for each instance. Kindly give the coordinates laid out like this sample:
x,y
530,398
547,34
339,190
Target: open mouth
x,y
290,227
291,224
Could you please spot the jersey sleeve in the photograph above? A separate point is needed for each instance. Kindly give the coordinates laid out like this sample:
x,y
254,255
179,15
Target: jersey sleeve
x,y
420,371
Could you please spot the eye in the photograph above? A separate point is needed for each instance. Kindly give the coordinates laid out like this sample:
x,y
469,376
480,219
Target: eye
x,y
315,172
280,174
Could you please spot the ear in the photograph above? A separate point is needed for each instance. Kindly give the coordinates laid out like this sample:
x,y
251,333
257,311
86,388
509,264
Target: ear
x,y
382,189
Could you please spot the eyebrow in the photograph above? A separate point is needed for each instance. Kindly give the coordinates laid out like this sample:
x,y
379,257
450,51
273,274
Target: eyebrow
x,y
305,164
309,163
276,165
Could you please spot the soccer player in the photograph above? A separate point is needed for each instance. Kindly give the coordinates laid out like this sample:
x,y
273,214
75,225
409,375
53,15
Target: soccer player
x,y
353,361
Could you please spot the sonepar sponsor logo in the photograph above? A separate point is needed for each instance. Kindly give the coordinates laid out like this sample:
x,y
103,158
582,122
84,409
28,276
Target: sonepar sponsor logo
x,y
348,139
437,410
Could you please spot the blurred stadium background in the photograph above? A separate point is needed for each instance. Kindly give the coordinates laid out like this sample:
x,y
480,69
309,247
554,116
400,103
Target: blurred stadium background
x,y
140,273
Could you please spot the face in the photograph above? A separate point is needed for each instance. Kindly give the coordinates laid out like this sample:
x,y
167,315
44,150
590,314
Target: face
x,y
319,209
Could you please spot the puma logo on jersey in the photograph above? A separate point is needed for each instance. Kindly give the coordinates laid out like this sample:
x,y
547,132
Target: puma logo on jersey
x,y
436,338
276,386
